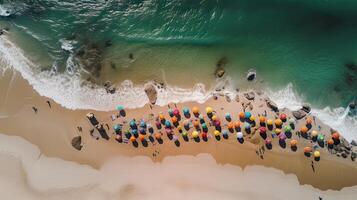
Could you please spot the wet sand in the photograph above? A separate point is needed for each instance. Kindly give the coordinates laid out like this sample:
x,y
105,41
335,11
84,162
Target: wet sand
x,y
52,129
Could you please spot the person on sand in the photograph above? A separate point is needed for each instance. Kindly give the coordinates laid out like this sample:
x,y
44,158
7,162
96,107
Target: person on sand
x,y
313,166
79,128
49,103
34,109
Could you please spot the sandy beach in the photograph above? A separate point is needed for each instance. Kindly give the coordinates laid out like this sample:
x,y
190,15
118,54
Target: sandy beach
x,y
52,129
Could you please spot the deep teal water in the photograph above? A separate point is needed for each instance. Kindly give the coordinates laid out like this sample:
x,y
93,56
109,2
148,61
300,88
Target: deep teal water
x,y
305,42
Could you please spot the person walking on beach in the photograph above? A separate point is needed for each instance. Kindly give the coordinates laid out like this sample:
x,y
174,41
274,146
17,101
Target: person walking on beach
x,y
34,109
312,166
49,103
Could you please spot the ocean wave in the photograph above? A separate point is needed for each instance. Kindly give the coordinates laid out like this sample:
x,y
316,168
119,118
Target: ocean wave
x,y
68,90
337,118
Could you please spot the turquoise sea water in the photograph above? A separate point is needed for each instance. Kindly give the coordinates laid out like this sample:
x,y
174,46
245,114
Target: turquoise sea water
x,y
304,42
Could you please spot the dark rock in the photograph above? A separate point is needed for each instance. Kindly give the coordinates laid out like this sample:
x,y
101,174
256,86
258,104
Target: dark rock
x,y
354,143
220,67
299,114
228,99
131,56
236,98
344,155
215,97
108,43
338,154
351,66
306,108
353,156
77,142
353,105
272,105
251,75
249,95
151,92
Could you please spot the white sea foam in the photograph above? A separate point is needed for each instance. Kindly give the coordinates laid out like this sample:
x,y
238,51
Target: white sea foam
x,y
67,89
337,118
27,174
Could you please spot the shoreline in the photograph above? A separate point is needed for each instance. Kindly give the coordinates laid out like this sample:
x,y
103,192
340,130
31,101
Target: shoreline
x,y
56,126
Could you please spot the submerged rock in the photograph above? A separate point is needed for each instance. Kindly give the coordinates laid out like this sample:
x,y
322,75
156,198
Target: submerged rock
x,y
220,67
77,142
251,75
151,92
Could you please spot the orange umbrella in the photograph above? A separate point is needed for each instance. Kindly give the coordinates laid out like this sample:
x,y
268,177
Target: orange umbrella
x,y
174,119
336,136
196,124
195,110
293,142
309,121
141,137
330,142
157,135
307,150
230,125
236,124
270,122
161,116
278,122
241,115
132,139
262,119
304,129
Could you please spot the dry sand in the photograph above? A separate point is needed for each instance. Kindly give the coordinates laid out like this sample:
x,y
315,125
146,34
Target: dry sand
x,y
52,129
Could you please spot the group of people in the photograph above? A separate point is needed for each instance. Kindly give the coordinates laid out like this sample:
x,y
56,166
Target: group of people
x,y
200,126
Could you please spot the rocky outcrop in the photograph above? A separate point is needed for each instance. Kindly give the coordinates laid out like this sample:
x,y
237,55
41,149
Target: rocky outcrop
x,y
249,95
354,143
220,67
77,142
272,105
151,92
90,56
251,75
299,114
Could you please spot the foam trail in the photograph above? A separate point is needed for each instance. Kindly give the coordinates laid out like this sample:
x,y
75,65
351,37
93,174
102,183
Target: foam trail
x,y
68,89
25,173
337,118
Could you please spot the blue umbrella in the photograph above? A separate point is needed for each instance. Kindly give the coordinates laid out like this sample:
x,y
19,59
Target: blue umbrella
x,y
133,124
120,107
117,127
247,115
186,110
167,123
142,124
171,113
225,132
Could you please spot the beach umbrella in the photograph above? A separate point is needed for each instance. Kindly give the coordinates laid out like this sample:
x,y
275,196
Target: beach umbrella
x,y
171,112
320,137
246,125
262,129
330,142
141,137
282,136
278,122
119,138
204,135
267,141
132,124
216,133
179,128
241,115
174,119
316,154
269,122
142,124
307,150
204,126
142,131
209,110
167,124
157,136
120,107
184,134
336,136
228,116
293,143
262,119
117,127
304,129
230,125
277,131
195,110
90,115
283,117
186,110
247,115
308,121
287,129
314,134
158,124
252,118
176,112
237,124
214,118
239,135
132,139
291,121
174,138
161,117
168,131
195,134
134,131
217,123
225,132
196,124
